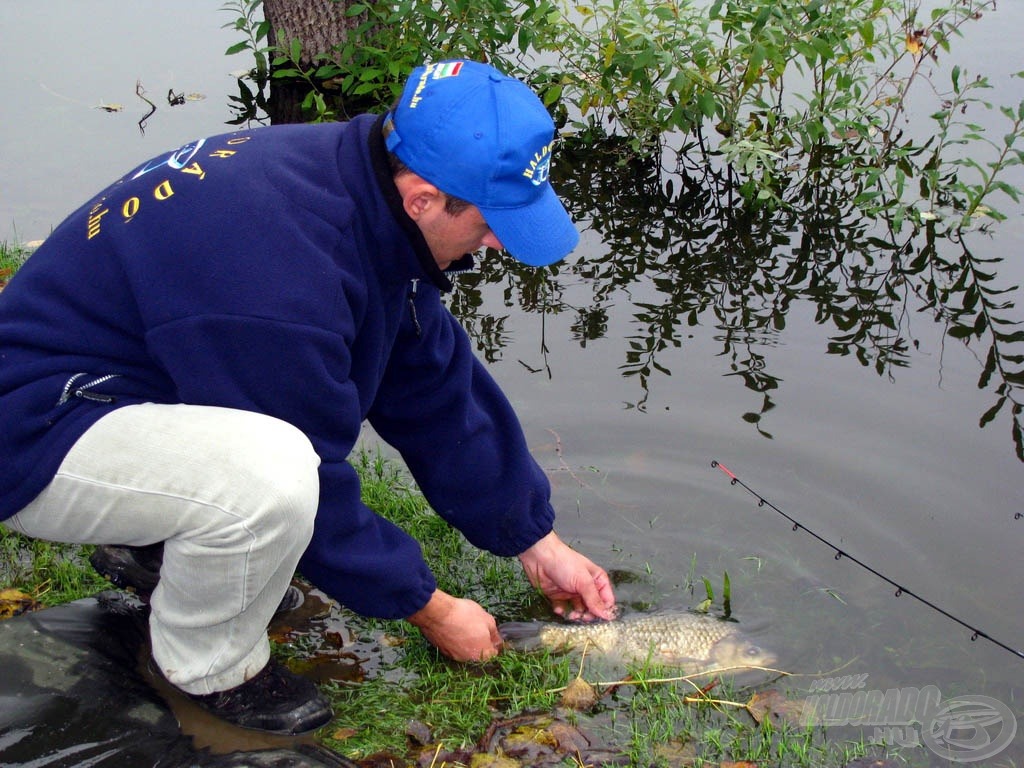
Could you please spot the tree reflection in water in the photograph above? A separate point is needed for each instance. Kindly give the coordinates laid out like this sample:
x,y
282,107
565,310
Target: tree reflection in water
x,y
706,258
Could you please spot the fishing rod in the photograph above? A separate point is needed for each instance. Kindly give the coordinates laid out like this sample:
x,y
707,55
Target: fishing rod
x,y
840,553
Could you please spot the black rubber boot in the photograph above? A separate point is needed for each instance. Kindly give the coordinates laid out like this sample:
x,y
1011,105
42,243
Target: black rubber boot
x,y
132,568
137,569
276,700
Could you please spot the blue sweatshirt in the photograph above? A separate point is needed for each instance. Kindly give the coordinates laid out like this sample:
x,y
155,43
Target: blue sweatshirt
x,y
275,271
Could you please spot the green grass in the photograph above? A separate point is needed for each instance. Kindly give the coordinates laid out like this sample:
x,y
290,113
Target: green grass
x,y
12,256
456,702
49,572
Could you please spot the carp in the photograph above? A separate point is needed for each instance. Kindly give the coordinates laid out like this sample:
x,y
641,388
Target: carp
x,y
696,642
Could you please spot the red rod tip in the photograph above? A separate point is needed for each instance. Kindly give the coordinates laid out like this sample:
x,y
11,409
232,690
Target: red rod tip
x,y
725,469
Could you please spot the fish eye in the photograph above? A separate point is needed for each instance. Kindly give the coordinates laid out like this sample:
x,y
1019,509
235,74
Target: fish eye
x,y
753,651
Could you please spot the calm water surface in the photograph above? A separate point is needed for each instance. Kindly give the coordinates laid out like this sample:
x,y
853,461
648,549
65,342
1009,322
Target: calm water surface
x,y
893,469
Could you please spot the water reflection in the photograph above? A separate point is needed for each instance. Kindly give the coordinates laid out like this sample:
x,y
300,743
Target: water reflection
x,y
685,251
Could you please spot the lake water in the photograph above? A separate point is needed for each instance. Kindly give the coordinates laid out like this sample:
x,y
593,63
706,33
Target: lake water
x,y
892,468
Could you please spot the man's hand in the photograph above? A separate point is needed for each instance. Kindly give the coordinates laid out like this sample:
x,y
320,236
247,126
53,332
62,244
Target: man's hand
x,y
577,588
460,628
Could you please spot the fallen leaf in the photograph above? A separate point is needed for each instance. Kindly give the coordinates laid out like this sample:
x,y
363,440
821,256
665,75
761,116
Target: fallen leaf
x,y
677,753
568,738
773,706
530,734
14,602
487,760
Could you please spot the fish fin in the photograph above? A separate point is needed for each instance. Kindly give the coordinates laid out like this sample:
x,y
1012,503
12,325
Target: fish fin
x,y
521,635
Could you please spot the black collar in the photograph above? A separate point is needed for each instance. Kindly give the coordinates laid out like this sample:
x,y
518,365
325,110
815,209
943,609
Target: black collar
x,y
382,170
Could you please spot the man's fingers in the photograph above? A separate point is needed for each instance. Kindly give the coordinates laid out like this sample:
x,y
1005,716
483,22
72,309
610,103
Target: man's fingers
x,y
596,597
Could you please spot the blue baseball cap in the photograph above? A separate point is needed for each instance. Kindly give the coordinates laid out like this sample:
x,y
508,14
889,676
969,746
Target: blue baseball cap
x,y
485,137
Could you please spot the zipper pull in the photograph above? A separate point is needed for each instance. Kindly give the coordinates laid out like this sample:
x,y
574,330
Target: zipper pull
x,y
412,307
84,391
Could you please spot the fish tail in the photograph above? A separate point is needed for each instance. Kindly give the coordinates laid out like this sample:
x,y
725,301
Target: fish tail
x,y
521,635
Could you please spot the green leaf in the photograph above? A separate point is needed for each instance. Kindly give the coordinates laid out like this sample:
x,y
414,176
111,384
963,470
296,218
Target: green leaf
x,y
664,13
989,369
823,47
990,414
754,64
706,103
806,50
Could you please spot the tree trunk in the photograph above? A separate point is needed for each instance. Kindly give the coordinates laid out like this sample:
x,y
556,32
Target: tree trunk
x,y
319,25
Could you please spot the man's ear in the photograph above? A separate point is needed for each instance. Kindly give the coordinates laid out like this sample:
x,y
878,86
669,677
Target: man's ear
x,y
419,196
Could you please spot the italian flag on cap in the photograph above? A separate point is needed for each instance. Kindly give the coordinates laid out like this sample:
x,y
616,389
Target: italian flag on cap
x,y
447,69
